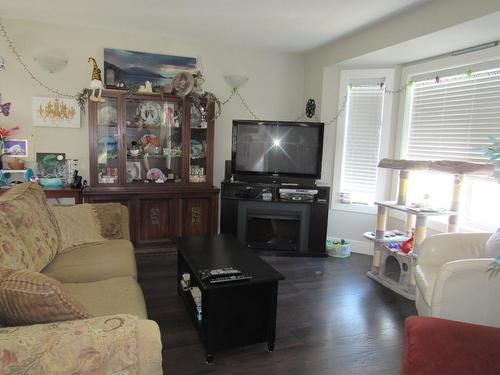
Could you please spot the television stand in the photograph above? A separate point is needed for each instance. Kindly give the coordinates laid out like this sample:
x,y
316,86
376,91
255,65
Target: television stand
x,y
277,219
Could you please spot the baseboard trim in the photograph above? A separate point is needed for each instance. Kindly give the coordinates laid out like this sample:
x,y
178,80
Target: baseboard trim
x,y
362,247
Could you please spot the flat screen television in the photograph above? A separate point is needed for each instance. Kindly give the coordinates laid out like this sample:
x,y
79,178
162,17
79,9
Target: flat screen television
x,y
277,148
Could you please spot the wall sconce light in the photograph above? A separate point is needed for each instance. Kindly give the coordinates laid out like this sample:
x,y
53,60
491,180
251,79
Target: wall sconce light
x,y
51,63
235,81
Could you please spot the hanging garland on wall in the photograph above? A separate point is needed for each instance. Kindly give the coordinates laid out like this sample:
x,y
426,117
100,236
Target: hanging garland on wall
x,y
82,96
310,109
25,67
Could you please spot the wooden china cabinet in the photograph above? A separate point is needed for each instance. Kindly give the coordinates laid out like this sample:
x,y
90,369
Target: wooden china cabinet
x,y
154,155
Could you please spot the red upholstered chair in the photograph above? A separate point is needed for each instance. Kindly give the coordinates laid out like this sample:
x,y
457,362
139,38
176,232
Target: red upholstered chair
x,y
435,346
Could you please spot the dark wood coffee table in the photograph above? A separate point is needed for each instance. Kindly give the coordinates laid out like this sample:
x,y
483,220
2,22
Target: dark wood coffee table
x,y
234,313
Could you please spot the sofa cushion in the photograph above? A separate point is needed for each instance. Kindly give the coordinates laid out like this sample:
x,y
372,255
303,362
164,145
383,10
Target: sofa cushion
x,y
78,224
28,297
105,260
120,295
26,207
13,253
425,278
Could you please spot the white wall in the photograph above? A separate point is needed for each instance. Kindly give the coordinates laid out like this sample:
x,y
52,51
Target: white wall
x,y
274,89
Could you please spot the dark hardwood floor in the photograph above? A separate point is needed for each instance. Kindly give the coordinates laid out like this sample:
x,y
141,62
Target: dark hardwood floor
x,y
332,319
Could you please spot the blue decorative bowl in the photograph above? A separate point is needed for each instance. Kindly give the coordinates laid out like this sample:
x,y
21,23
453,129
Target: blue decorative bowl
x,y
50,182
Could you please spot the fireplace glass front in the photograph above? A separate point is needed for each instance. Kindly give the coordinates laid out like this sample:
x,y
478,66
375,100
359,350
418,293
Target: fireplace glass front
x,y
273,231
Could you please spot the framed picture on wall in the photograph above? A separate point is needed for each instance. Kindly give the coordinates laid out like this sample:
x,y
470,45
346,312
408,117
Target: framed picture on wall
x,y
131,68
50,164
16,147
55,112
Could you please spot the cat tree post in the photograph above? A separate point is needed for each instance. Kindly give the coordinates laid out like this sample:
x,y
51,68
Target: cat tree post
x,y
379,235
403,186
420,232
455,202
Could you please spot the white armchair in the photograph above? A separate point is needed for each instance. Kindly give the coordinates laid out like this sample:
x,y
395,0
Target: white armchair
x,y
452,281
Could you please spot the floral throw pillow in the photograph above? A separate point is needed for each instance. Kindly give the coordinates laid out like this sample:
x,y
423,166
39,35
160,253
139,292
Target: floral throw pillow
x,y
110,216
27,209
13,253
79,225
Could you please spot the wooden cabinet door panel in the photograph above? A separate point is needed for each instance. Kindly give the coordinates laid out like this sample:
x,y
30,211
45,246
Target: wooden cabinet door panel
x,y
196,216
155,221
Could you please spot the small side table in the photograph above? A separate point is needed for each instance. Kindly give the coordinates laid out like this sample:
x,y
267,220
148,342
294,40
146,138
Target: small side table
x,y
64,192
60,192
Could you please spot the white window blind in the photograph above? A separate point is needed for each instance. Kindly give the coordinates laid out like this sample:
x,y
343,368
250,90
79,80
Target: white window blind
x,y
362,141
452,116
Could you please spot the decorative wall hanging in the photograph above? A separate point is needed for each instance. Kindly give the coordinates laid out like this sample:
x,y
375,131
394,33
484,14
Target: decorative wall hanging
x,y
132,69
96,82
4,107
55,112
16,147
183,83
310,108
4,134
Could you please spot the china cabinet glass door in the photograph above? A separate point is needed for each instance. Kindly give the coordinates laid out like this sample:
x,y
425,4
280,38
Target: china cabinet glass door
x,y
108,145
153,141
198,157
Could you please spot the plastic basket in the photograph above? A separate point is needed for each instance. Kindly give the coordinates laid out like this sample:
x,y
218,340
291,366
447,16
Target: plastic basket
x,y
338,250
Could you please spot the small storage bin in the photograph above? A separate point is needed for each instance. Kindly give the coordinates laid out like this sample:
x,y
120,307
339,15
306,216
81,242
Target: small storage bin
x,y
338,249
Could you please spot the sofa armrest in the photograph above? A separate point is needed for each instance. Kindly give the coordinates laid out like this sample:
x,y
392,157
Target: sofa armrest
x,y
114,219
464,290
443,248
149,347
102,345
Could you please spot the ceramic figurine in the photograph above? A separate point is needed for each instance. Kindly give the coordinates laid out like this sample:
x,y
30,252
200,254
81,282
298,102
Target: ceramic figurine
x,y
146,88
96,83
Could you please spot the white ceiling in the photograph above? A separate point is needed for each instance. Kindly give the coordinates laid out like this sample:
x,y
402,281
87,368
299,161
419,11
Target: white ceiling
x,y
281,25
471,33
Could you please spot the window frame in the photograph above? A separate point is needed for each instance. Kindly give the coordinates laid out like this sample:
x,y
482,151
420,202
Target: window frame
x,y
433,67
387,114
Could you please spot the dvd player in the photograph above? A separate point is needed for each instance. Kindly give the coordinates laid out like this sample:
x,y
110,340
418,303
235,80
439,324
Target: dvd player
x,y
298,195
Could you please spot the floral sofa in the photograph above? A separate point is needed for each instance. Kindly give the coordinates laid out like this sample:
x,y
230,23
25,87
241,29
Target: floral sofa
x,y
115,336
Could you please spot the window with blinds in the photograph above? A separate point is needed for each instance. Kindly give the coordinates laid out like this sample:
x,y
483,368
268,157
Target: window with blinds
x,y
452,116
364,113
